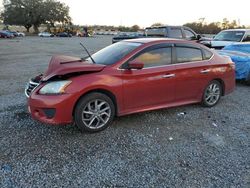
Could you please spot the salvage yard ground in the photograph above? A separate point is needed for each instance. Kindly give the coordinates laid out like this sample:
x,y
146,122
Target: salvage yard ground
x,y
188,146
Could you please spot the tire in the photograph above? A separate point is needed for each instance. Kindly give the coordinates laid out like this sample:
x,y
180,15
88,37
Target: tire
x,y
212,94
248,80
94,112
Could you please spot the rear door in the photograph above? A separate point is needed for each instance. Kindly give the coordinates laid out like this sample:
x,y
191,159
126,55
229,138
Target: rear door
x,y
154,84
193,72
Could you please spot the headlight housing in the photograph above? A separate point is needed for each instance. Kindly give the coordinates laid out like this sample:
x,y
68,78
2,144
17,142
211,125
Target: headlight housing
x,y
55,87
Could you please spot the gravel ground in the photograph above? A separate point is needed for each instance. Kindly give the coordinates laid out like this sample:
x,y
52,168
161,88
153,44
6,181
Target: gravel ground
x,y
201,147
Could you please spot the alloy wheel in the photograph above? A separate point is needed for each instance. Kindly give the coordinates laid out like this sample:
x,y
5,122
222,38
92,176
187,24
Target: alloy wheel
x,y
212,93
96,114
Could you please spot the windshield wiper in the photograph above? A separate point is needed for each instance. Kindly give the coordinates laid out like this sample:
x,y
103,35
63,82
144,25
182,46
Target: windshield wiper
x,y
88,53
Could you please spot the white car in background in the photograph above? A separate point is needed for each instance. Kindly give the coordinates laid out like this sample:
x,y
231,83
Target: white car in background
x,y
21,34
45,34
228,37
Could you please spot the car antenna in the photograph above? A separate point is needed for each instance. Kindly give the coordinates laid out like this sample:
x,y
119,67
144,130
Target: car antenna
x,y
88,53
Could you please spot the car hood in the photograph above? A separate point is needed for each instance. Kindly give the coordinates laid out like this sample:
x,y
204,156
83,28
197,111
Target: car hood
x,y
215,43
62,65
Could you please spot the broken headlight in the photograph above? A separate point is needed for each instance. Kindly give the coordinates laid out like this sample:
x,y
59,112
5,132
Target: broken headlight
x,y
55,87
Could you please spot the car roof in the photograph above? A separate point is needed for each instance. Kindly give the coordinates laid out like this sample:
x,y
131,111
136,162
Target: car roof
x,y
165,26
236,30
150,40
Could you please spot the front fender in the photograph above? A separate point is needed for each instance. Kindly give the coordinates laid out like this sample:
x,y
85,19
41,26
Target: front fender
x,y
84,84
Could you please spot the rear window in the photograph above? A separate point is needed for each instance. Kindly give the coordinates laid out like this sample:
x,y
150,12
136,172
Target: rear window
x,y
114,52
186,54
157,32
207,54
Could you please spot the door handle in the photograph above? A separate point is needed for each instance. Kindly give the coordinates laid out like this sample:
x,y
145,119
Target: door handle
x,y
168,76
205,71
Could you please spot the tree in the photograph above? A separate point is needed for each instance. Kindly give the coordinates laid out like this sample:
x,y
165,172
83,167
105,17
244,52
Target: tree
x,y
135,28
1,15
30,13
212,28
225,23
196,26
56,12
158,24
124,29
14,14
202,20
232,25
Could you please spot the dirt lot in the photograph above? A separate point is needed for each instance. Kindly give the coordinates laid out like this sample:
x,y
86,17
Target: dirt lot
x,y
202,148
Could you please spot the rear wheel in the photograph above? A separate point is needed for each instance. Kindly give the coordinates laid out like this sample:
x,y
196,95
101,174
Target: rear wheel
x,y
248,80
212,94
94,112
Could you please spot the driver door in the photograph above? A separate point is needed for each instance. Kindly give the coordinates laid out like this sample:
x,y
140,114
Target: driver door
x,y
154,84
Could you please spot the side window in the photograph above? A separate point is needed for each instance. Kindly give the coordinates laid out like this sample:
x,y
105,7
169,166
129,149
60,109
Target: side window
x,y
189,35
187,54
175,33
156,57
207,54
247,38
156,32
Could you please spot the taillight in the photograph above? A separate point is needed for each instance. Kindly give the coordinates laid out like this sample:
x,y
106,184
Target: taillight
x,y
232,65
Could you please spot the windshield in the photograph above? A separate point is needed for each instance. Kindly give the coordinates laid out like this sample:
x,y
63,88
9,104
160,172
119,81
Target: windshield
x,y
235,36
114,52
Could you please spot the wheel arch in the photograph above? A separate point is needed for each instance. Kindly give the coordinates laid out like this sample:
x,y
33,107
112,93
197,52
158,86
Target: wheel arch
x,y
103,91
222,84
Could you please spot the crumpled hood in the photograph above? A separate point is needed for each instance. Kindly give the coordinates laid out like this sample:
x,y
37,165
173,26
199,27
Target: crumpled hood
x,y
61,65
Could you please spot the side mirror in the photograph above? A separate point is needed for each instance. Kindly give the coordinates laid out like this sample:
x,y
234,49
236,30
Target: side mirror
x,y
198,37
135,65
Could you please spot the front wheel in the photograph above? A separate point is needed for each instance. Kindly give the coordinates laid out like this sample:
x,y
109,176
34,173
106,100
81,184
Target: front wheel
x,y
212,94
94,112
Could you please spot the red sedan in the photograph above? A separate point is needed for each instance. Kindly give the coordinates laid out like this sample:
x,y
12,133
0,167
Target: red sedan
x,y
128,77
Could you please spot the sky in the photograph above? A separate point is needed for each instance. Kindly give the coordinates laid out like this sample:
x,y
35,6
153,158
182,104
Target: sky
x,y
145,13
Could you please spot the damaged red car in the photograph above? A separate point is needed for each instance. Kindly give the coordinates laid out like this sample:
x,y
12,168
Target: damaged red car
x,y
128,77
